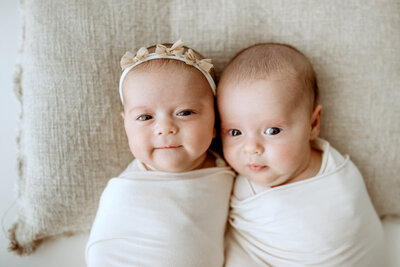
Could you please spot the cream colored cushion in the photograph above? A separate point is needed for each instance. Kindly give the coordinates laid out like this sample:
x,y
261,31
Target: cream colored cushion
x,y
72,139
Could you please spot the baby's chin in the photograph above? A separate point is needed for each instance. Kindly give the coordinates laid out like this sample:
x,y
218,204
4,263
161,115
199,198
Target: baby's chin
x,y
261,179
172,167
258,181
173,160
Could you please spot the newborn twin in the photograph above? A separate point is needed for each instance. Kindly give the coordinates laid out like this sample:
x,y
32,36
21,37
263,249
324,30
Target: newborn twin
x,y
296,201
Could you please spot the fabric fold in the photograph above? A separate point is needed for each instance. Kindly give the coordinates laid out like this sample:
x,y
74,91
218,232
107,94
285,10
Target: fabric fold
x,y
162,219
327,220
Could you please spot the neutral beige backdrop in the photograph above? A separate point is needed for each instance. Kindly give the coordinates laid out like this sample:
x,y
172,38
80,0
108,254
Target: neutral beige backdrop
x,y
64,252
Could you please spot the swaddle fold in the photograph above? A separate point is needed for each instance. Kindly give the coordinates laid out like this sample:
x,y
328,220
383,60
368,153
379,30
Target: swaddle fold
x,y
325,221
162,219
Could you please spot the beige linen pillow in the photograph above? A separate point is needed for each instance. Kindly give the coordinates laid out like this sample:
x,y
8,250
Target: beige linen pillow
x,y
72,138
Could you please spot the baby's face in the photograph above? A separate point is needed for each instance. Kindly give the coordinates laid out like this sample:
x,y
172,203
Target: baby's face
x,y
169,118
266,128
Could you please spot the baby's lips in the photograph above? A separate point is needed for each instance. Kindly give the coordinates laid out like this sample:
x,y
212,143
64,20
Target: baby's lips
x,y
168,147
256,167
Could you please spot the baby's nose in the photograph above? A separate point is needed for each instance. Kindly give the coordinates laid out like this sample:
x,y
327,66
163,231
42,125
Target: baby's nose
x,y
165,131
166,127
253,147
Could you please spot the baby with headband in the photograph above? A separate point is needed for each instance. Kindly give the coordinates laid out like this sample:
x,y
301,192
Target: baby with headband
x,y
170,206
296,201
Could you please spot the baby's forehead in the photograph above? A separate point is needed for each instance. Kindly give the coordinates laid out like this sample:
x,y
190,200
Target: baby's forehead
x,y
162,80
287,90
285,82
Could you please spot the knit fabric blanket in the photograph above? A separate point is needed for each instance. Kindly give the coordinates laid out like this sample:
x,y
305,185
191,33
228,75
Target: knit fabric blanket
x,y
327,220
150,218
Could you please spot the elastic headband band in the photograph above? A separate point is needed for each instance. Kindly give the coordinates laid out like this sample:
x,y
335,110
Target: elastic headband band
x,y
129,61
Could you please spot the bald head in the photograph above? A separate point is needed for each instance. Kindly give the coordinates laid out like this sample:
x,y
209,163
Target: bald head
x,y
261,61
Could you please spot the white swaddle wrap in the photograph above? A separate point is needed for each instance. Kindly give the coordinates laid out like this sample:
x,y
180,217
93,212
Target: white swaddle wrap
x,y
324,221
150,218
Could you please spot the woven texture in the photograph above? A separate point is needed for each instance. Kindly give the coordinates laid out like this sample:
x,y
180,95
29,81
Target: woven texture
x,y
72,139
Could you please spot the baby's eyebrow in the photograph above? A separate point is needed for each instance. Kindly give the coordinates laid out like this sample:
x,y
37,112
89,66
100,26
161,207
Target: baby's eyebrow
x,y
138,108
225,126
191,103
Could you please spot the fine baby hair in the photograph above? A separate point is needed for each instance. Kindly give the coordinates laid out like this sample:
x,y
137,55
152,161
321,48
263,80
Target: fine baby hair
x,y
262,60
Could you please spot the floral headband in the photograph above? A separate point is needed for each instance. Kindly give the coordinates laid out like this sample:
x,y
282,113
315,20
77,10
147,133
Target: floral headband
x,y
129,61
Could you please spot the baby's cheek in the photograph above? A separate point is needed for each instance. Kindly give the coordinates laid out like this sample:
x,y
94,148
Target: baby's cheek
x,y
287,157
231,154
198,143
134,148
138,147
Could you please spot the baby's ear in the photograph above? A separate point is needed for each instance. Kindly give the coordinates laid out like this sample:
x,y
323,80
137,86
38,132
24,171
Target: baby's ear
x,y
315,122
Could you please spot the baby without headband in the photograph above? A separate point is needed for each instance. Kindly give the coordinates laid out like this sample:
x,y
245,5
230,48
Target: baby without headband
x,y
176,51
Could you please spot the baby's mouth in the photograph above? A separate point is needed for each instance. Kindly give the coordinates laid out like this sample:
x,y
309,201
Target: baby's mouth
x,y
169,147
256,167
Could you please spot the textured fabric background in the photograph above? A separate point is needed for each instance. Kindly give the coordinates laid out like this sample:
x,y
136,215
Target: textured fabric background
x,y
72,139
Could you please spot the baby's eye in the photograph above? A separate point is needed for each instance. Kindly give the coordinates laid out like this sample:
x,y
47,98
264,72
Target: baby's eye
x,y
234,132
185,113
144,117
272,131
